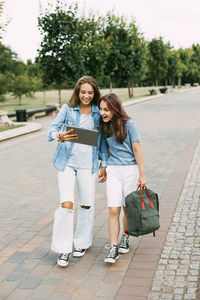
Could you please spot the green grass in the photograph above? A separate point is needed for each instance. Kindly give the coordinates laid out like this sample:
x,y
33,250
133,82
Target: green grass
x,y
41,98
9,127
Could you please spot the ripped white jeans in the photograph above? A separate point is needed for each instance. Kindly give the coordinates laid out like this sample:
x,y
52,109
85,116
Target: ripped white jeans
x,y
63,238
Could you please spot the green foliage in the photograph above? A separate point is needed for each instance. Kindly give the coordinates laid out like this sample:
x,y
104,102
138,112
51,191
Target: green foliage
x,y
172,70
125,58
109,48
24,85
59,53
9,62
4,87
93,47
157,60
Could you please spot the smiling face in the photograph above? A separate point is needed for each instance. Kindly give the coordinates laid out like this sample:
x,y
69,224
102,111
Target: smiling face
x,y
86,94
105,113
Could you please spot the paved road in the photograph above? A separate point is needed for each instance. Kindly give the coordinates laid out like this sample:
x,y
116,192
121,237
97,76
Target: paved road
x,y
29,197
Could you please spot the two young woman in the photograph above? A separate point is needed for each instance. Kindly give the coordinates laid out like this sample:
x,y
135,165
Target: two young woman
x,y
125,169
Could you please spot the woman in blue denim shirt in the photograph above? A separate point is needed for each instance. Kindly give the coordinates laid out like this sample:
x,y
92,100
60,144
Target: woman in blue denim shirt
x,y
80,162
125,170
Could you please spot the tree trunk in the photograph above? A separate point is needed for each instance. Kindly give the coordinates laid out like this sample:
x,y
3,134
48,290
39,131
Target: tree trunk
x,y
179,81
156,82
165,82
132,86
129,90
110,86
59,96
173,83
44,97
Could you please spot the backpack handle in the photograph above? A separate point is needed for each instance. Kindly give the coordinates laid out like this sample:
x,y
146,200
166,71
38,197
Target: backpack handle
x,y
142,200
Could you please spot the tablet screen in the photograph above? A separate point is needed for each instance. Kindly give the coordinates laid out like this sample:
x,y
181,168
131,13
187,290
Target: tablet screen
x,y
85,136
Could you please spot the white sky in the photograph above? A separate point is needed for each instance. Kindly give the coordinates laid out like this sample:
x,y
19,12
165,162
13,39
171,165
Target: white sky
x,y
177,21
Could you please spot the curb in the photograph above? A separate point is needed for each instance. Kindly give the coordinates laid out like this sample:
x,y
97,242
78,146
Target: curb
x,y
27,128
144,99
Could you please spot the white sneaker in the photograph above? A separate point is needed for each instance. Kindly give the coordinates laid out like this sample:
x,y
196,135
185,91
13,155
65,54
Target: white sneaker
x,y
63,260
78,252
113,255
124,244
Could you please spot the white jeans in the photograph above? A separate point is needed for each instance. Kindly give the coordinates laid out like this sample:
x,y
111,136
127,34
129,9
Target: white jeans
x,y
63,237
121,181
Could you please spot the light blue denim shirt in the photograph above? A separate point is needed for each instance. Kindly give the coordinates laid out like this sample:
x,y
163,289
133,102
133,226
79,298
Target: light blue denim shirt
x,y
71,116
122,154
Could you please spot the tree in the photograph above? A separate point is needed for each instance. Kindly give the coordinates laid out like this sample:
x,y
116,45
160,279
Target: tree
x,y
172,70
59,52
136,57
195,63
114,29
25,85
125,59
10,66
4,86
157,60
93,47
3,24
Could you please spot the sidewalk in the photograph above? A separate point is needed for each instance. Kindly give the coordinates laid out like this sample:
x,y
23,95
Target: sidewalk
x,y
29,197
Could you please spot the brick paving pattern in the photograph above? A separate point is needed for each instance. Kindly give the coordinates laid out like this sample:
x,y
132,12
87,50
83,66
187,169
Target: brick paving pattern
x,y
29,197
177,275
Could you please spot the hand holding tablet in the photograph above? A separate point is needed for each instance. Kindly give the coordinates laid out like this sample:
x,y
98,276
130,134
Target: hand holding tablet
x,y
83,136
67,136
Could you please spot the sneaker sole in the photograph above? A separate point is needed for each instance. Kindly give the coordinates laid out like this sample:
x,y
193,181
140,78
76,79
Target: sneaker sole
x,y
62,264
123,251
76,254
110,260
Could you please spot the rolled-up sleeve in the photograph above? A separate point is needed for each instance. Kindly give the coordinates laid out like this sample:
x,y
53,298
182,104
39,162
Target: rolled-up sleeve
x,y
57,124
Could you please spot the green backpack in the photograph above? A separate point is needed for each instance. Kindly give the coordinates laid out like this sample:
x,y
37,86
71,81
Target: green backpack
x,y
142,212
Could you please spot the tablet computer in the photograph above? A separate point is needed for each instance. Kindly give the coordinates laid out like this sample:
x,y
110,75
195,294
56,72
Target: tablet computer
x,y
85,136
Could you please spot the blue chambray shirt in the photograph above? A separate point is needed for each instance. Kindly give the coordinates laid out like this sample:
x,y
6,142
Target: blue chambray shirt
x,y
71,116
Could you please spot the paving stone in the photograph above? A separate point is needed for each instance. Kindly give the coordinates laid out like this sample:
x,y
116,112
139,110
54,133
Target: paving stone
x,y
17,275
19,294
19,257
30,282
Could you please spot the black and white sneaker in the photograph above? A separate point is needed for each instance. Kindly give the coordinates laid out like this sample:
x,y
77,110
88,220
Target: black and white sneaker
x,y
78,252
124,244
63,260
113,255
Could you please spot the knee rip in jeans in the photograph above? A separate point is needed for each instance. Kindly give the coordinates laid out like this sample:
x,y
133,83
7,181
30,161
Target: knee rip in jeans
x,y
85,207
68,205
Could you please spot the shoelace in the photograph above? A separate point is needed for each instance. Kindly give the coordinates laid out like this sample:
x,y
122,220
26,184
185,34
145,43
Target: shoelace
x,y
65,256
112,252
123,241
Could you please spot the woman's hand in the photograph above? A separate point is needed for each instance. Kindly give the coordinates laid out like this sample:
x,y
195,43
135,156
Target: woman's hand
x,y
102,174
142,181
67,137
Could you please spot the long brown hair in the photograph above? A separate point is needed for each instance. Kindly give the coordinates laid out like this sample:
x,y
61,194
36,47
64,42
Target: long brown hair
x,y
118,120
74,100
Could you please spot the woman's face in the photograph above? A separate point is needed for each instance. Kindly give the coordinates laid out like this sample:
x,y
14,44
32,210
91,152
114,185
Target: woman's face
x,y
105,113
86,94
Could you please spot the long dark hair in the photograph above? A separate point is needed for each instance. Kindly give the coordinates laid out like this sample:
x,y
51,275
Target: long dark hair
x,y
118,120
74,100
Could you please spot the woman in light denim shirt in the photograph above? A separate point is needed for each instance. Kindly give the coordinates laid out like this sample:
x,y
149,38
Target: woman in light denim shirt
x,y
74,160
